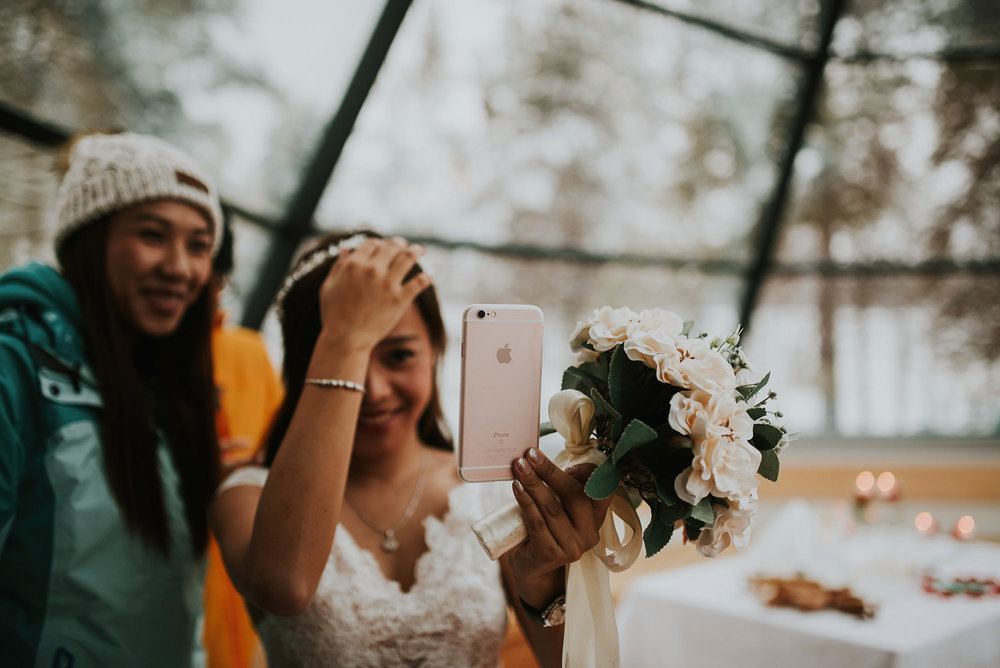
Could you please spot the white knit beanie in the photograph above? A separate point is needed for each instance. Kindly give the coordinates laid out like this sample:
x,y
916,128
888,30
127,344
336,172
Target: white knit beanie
x,y
111,172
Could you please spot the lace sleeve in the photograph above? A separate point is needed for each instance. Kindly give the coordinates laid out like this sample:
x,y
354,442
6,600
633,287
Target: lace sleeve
x,y
254,476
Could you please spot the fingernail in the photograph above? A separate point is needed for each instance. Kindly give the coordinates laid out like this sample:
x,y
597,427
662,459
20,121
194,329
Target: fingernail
x,y
522,464
518,487
534,455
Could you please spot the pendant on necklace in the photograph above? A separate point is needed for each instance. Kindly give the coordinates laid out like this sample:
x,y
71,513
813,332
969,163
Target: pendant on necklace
x,y
389,543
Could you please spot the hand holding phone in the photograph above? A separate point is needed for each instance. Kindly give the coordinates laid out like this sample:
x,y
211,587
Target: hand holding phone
x,y
501,388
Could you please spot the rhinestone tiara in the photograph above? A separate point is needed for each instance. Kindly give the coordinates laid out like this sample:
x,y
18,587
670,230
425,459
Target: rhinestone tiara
x,y
314,260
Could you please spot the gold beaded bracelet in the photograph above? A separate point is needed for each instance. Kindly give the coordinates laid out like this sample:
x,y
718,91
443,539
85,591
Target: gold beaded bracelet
x,y
336,382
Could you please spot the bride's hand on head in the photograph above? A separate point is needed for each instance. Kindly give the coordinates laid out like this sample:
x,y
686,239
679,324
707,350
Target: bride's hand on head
x,y
366,291
562,521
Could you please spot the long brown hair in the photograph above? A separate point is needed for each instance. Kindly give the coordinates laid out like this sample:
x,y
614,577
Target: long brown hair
x,y
300,327
147,384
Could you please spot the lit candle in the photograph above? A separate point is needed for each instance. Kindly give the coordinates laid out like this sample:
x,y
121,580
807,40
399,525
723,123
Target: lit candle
x,y
864,486
887,486
925,523
965,528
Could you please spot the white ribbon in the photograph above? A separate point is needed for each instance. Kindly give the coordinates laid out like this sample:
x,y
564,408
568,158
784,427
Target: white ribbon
x,y
591,635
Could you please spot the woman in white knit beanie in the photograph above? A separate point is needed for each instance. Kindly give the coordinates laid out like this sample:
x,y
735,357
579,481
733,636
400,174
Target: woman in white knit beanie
x,y
108,452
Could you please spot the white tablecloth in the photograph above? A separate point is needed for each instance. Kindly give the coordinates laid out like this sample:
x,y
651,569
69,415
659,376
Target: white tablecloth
x,y
706,615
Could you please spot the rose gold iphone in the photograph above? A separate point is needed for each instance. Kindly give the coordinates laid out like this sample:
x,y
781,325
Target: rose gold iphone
x,y
501,388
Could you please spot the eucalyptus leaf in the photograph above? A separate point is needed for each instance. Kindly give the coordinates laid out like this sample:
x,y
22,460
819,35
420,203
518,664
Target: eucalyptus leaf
x,y
636,433
768,465
766,436
748,391
756,413
603,481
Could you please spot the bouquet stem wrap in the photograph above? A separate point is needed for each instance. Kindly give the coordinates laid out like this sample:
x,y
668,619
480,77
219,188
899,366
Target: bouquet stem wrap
x,y
591,635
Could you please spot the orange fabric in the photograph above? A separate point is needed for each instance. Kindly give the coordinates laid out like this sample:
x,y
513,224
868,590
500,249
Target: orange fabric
x,y
248,393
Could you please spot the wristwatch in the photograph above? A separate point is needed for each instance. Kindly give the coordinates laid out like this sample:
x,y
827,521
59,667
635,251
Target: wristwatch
x,y
554,613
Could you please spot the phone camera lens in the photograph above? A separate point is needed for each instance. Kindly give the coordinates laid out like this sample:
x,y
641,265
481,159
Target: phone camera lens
x,y
481,314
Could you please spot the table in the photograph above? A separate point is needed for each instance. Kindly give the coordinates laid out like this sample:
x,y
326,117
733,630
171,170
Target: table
x,y
706,615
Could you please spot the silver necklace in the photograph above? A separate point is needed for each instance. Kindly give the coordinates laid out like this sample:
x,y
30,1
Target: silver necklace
x,y
389,541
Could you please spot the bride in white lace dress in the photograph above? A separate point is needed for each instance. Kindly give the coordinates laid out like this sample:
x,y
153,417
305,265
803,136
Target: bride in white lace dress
x,y
353,547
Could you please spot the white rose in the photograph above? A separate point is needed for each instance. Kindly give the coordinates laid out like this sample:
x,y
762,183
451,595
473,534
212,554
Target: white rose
x,y
731,527
605,329
654,331
721,467
727,417
692,364
688,414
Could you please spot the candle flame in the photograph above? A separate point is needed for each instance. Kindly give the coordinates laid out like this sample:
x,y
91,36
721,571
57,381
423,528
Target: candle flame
x,y
886,481
924,521
865,481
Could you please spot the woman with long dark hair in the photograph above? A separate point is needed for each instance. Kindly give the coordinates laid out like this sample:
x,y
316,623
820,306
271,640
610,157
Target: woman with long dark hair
x,y
108,451
354,547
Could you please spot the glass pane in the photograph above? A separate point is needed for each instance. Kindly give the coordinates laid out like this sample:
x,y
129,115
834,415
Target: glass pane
x,y
791,22
246,85
591,125
903,165
250,243
566,292
27,187
904,356
901,27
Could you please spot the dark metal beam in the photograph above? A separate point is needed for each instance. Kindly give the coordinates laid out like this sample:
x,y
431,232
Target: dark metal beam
x,y
756,41
19,122
773,211
297,223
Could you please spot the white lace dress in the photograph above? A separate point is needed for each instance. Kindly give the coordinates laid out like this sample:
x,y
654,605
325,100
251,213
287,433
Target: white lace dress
x,y
454,614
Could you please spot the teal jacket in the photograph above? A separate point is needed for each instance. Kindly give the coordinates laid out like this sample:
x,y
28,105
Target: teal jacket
x,y
76,588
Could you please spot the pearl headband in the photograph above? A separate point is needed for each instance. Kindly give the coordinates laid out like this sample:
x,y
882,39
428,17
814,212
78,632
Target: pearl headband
x,y
314,260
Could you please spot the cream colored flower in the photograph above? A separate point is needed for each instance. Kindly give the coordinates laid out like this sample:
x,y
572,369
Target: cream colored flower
x,y
722,467
605,329
689,415
692,364
654,331
731,527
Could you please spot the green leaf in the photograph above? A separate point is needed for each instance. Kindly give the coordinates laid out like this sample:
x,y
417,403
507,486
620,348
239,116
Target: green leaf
x,y
636,433
670,513
597,370
768,465
692,528
766,436
664,464
573,380
657,534
603,481
748,391
616,376
703,511
686,329
756,413
636,393
602,407
545,428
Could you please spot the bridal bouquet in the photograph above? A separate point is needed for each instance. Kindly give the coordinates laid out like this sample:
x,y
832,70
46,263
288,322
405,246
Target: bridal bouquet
x,y
669,421
678,430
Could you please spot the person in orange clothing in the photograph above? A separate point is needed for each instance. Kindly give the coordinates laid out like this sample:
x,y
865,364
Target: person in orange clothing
x,y
248,391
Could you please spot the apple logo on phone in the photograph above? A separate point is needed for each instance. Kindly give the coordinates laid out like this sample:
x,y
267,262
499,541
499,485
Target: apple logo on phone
x,y
503,354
